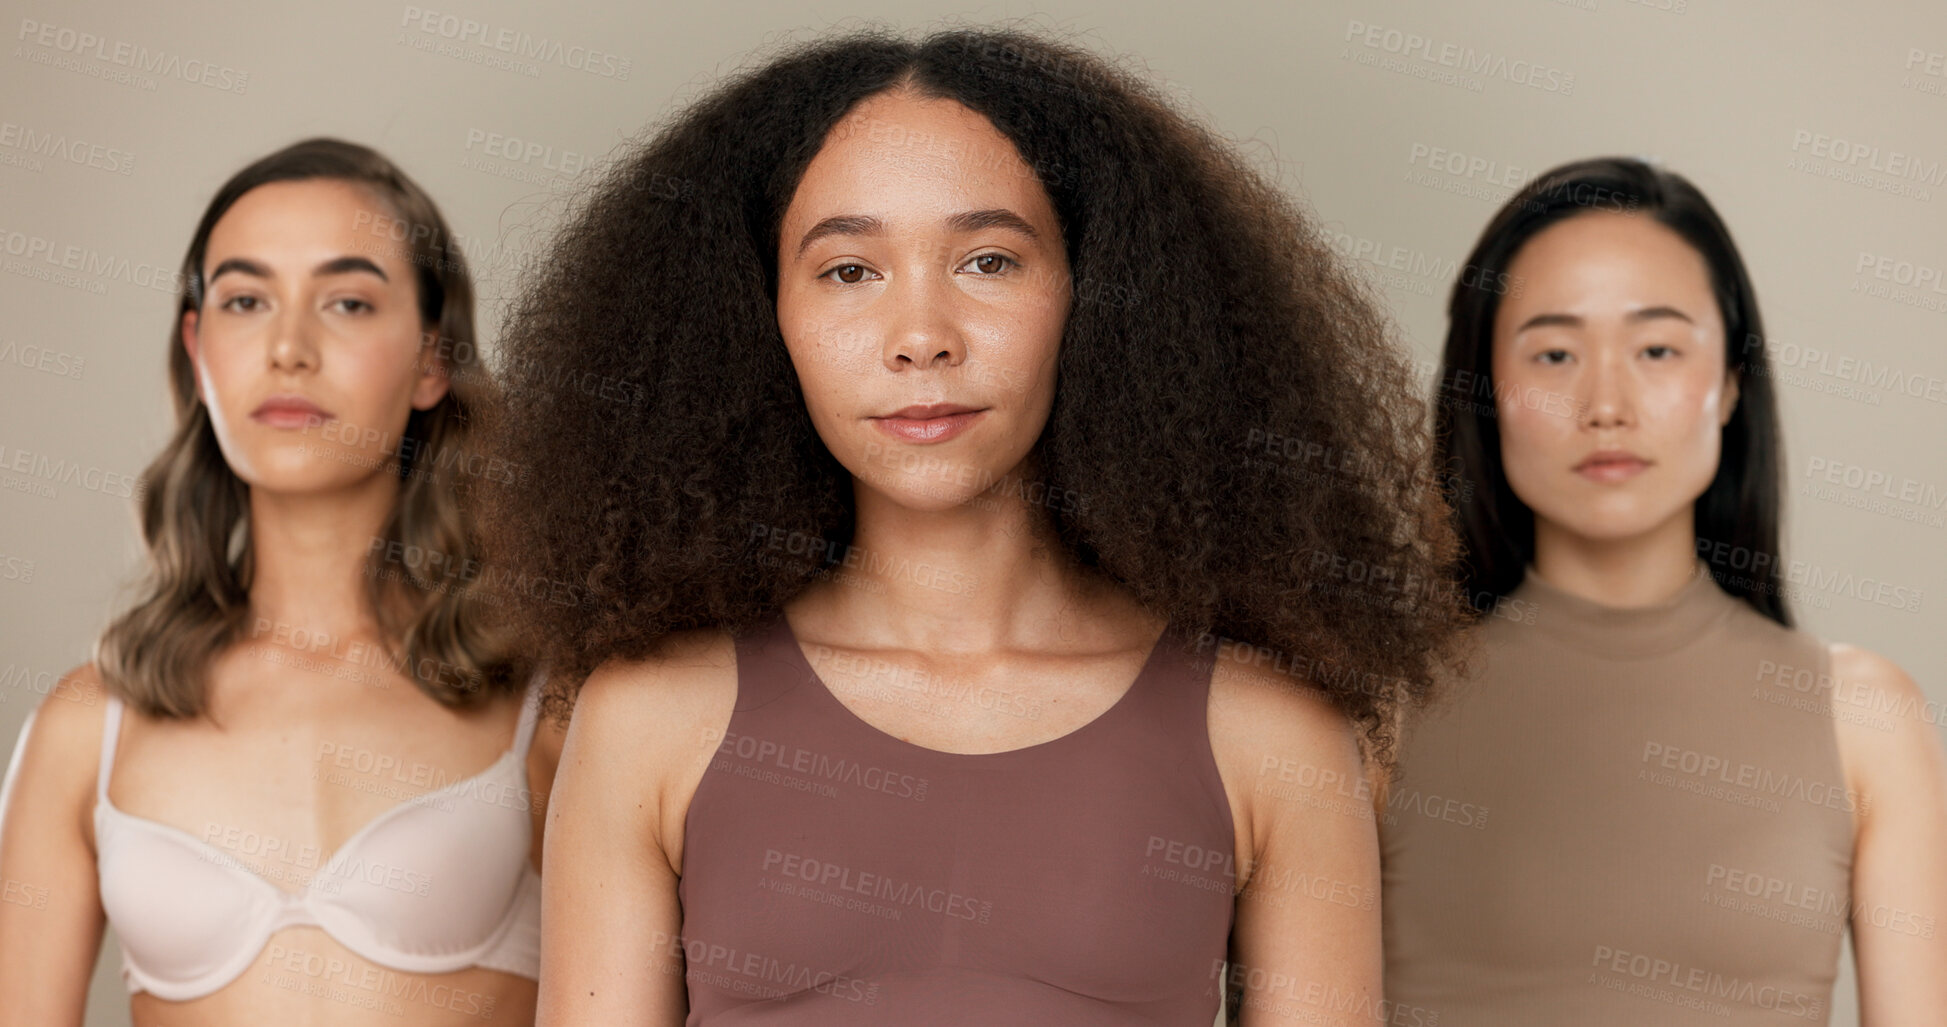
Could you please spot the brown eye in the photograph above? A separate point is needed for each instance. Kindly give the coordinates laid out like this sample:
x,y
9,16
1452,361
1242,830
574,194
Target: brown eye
x,y
842,269
992,263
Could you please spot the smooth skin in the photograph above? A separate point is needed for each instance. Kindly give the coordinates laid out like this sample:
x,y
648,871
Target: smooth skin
x,y
298,301
1614,341
955,291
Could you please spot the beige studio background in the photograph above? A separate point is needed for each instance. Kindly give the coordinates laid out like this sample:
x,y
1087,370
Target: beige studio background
x,y
1818,130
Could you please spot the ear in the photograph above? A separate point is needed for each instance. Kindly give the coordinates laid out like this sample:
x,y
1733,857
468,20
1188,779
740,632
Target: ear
x,y
191,344
1730,395
433,381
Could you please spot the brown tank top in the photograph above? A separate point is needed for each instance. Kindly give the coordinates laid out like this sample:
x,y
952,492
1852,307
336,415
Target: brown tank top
x,y
836,874
1630,816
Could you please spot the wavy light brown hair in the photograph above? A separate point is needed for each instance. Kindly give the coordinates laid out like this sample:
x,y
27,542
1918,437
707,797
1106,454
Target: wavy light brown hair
x,y
1235,439
195,512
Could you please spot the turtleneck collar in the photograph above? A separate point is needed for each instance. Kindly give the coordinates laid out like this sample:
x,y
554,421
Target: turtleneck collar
x,y
1626,632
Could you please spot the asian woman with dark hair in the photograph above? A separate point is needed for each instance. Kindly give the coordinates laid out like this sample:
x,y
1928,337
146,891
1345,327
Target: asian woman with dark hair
x,y
1657,801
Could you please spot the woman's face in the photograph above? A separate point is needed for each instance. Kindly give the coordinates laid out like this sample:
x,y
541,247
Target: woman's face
x,y
308,347
920,264
1609,376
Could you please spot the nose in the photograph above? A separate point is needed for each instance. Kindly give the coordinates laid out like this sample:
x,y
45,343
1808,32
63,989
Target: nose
x,y
1607,392
293,341
922,332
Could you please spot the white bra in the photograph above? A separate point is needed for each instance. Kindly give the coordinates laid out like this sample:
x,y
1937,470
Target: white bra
x,y
437,883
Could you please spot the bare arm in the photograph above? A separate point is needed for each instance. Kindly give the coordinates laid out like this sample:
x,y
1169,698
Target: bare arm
x,y
1899,874
640,739
1305,946
51,919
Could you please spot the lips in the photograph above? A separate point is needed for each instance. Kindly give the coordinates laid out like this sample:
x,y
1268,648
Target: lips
x,y
921,413
1611,465
927,423
290,411
1609,456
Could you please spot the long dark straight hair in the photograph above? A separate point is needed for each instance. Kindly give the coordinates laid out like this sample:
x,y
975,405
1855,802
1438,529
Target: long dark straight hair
x,y
1737,516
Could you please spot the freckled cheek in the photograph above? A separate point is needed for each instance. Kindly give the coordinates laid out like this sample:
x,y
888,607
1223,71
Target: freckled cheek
x,y
1016,363
832,395
833,347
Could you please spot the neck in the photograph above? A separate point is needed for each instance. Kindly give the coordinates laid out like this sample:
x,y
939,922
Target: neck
x,y
981,576
308,555
1640,570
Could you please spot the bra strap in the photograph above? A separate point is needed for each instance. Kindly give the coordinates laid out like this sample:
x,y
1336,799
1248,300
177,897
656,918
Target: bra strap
x,y
530,712
111,731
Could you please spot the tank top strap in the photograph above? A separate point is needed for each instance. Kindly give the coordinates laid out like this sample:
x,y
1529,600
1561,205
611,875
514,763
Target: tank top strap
x,y
766,669
111,732
1178,689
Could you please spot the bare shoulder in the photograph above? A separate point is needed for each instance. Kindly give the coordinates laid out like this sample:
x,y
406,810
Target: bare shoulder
x,y
60,743
1870,691
643,730
1888,728
66,726
1850,663
689,683
1288,757
1258,709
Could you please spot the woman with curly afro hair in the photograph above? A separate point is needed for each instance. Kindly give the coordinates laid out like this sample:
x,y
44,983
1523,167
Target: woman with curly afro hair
x,y
984,538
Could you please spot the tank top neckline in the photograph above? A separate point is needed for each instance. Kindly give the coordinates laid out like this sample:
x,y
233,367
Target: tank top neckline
x,y
1627,632
787,639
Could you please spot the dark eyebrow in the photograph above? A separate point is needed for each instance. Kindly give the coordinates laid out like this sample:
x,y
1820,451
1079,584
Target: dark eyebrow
x,y
965,221
241,266
995,217
1573,321
842,224
346,265
1650,313
336,266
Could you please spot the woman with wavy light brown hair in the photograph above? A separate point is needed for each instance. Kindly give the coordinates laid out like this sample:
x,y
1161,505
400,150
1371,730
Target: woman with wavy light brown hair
x,y
269,778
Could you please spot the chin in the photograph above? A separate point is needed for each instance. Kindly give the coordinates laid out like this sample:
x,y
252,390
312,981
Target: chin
x,y
927,498
302,474
1608,525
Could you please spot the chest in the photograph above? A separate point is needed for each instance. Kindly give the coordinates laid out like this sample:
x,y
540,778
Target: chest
x,y
292,762
972,706
1099,872
1673,812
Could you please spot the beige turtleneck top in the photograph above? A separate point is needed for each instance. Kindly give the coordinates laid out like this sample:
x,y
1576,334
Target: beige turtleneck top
x,y
1628,816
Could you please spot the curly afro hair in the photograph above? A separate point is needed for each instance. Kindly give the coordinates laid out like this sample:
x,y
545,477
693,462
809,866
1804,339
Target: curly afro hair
x,y
1248,444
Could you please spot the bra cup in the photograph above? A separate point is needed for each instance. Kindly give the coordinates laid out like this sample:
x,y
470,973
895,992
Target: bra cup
x,y
433,881
432,885
186,919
